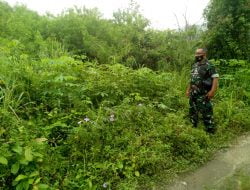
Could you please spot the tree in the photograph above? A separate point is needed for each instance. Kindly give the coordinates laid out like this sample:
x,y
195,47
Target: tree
x,y
228,29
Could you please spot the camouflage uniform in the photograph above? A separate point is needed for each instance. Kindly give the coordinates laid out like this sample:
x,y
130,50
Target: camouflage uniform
x,y
202,75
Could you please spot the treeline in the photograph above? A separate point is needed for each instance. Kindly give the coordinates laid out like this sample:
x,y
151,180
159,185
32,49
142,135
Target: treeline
x,y
124,39
228,29
127,37
83,32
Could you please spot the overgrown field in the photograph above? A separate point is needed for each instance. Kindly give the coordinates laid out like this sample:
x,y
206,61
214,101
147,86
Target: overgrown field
x,y
66,124
92,103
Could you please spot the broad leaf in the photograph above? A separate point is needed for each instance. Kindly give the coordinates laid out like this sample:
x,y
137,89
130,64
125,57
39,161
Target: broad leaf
x,y
3,160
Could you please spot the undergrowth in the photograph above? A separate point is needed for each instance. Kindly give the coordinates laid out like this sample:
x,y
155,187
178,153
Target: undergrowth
x,y
65,124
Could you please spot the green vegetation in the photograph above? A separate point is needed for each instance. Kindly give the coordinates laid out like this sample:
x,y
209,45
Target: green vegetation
x,y
228,26
90,103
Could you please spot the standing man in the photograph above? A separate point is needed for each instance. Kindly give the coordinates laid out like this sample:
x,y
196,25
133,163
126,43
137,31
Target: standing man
x,y
202,88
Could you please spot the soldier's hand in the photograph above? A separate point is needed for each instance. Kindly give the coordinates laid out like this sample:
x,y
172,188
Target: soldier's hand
x,y
210,94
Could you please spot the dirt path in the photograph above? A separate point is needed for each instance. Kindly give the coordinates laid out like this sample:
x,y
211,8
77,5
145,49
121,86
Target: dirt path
x,y
224,164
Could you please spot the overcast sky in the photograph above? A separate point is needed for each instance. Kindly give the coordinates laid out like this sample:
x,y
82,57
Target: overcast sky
x,y
161,13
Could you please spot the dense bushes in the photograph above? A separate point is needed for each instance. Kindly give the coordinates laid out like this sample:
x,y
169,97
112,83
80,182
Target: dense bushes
x,y
67,124
228,27
74,114
82,32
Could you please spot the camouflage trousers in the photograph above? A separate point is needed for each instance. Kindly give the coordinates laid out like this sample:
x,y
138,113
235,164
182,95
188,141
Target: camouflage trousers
x,y
200,104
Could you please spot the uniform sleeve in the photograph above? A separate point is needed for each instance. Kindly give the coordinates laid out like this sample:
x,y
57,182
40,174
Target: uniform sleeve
x,y
213,72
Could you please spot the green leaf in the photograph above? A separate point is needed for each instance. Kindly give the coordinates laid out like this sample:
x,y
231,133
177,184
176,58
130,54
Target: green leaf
x,y
26,185
15,168
31,181
3,160
33,174
18,149
43,186
137,174
28,154
2,130
19,186
20,177
90,184
120,165
23,186
37,180
24,161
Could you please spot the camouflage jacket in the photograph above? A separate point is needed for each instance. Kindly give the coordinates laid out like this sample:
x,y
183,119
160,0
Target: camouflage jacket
x,y
202,75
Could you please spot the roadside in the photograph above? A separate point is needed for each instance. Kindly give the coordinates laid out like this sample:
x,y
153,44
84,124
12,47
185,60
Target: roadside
x,y
215,173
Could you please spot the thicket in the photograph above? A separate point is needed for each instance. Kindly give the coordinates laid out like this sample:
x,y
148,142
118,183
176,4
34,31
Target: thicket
x,y
228,24
74,125
83,33
76,114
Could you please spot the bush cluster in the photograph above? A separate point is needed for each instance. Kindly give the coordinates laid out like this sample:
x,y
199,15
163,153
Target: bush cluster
x,y
67,124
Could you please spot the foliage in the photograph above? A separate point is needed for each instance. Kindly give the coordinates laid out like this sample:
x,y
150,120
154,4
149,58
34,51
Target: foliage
x,y
125,39
228,23
70,124
80,107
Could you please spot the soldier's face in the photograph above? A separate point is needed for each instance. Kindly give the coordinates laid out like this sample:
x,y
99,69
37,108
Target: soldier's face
x,y
199,55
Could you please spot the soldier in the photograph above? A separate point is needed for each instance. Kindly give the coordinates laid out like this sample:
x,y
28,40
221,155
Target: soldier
x,y
202,88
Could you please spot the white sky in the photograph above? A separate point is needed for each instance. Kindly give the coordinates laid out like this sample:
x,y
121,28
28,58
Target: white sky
x,y
161,13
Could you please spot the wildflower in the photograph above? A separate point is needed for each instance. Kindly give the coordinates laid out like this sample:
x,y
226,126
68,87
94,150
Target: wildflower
x,y
140,105
105,185
79,122
112,118
86,119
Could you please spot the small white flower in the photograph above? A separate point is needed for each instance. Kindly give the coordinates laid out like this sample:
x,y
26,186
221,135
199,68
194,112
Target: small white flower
x,y
112,117
79,122
105,185
140,104
86,119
